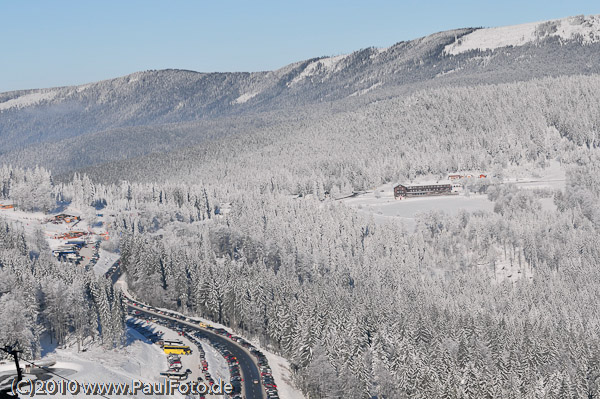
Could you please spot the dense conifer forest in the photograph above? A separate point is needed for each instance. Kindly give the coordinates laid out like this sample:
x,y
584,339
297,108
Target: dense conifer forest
x,y
240,220
358,308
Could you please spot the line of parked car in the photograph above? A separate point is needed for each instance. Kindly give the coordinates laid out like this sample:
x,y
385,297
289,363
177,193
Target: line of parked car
x,y
234,366
268,381
174,364
112,270
156,337
266,374
96,255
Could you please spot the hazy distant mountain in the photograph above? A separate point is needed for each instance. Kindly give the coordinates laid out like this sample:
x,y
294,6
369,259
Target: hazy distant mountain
x,y
127,108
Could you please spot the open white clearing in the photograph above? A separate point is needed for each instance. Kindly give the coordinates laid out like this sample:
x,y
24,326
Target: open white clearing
x,y
381,204
587,28
138,361
217,365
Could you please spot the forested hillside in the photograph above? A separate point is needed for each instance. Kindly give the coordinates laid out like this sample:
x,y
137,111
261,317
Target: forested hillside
x,y
147,108
40,295
436,131
364,309
368,310
230,210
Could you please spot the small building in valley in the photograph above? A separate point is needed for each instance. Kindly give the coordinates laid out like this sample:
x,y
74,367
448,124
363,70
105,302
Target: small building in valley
x,y
422,190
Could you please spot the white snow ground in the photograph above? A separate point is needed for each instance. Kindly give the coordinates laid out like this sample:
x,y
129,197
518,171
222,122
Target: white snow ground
x,y
322,65
381,204
139,360
217,365
588,28
105,261
28,99
512,272
552,177
244,98
29,220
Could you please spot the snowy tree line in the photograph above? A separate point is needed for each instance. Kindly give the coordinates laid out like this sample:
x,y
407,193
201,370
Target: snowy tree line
x,y
370,310
30,189
432,132
362,309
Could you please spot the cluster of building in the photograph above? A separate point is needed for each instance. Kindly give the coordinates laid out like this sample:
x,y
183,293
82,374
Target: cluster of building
x,y
433,188
70,251
69,235
58,219
458,177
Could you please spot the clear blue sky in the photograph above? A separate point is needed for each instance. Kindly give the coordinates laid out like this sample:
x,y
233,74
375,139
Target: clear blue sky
x,y
55,43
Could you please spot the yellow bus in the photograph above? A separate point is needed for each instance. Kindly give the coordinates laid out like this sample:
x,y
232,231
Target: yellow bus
x,y
177,349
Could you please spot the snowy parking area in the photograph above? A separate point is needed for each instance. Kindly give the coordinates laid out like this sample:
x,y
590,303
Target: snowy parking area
x,y
138,360
191,362
106,260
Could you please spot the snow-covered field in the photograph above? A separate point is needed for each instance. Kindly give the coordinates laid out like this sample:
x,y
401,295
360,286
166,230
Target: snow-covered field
x,y
512,271
588,28
245,98
28,220
551,177
217,365
322,65
29,99
139,360
381,204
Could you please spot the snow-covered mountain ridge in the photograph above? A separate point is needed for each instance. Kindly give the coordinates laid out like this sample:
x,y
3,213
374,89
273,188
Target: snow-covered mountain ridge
x,y
160,102
585,28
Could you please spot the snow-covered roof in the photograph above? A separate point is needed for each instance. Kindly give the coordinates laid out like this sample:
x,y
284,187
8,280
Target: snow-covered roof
x,y
425,183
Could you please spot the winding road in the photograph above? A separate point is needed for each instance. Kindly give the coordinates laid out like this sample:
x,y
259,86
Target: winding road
x,y
248,367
